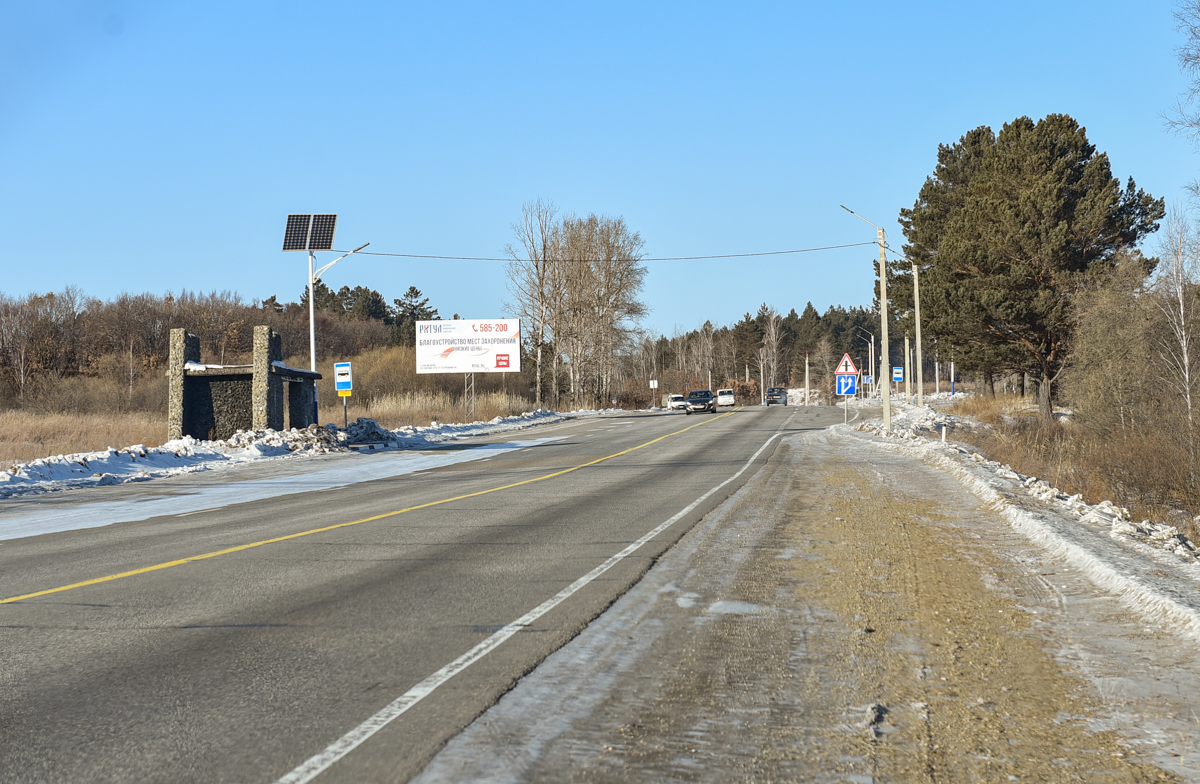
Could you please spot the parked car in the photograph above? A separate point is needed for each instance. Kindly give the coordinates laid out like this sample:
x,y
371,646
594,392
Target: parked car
x,y
725,397
777,395
676,403
701,400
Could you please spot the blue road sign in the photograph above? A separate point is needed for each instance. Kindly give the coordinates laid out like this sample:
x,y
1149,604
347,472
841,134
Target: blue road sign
x,y
343,381
868,379
847,385
898,373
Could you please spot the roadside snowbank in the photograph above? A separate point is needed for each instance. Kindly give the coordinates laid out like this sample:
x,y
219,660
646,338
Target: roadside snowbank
x,y
186,455
1119,554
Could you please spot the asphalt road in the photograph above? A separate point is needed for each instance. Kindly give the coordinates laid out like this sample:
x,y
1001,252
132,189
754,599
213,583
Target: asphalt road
x,y
354,652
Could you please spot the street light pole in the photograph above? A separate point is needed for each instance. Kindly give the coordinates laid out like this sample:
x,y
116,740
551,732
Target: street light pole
x,y
883,317
312,318
313,277
870,355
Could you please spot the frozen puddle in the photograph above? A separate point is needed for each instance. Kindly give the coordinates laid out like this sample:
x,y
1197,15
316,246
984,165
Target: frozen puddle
x,y
17,521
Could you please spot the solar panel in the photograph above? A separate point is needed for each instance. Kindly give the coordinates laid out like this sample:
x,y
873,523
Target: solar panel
x,y
321,236
295,236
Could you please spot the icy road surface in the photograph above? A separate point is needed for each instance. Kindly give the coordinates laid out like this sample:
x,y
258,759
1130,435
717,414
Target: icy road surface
x,y
44,514
858,613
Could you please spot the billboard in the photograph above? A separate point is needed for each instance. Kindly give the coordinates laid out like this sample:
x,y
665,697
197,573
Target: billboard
x,y
469,346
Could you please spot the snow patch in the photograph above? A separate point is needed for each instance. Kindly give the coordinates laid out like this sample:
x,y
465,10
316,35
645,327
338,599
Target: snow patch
x,y
186,455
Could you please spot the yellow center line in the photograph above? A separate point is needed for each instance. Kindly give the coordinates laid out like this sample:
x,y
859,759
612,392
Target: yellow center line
x,y
241,547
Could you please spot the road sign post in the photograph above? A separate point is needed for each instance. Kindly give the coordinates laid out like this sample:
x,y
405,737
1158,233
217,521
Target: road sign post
x,y
847,387
846,375
343,382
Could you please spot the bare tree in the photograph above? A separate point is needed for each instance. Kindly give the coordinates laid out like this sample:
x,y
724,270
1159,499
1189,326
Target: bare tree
x,y
596,319
704,359
772,325
1175,296
533,275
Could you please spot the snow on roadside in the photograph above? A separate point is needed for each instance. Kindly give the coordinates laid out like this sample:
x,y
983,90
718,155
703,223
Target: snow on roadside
x,y
139,463
1119,554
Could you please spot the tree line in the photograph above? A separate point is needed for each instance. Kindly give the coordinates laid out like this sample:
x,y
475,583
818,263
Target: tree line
x,y
762,350
47,340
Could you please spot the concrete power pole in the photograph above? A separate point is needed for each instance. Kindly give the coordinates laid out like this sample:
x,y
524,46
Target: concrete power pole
x,y
806,378
920,358
907,371
885,360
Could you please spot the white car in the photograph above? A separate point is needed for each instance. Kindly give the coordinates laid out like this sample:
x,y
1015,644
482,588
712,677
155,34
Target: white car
x,y
676,403
725,397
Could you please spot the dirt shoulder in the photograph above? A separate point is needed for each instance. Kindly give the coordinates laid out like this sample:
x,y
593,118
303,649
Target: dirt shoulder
x,y
850,615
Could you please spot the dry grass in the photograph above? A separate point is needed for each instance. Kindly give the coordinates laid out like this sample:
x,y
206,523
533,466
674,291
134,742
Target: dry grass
x,y
422,408
1142,471
26,436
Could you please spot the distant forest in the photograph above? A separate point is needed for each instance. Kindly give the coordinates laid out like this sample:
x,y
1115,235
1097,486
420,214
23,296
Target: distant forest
x,y
65,351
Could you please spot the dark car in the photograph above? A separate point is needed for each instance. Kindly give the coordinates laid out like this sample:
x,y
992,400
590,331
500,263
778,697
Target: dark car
x,y
701,400
777,395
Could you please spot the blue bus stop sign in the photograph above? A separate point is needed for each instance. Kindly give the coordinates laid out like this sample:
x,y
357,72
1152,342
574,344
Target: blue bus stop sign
x,y
898,373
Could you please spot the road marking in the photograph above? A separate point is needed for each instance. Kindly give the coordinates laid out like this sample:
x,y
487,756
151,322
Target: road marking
x,y
239,548
321,762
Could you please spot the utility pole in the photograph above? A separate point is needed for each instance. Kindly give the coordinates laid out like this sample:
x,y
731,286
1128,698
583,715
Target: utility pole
x,y
884,359
883,341
907,371
806,378
920,358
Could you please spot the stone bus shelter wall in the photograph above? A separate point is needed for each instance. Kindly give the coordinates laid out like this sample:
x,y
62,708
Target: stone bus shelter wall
x,y
215,401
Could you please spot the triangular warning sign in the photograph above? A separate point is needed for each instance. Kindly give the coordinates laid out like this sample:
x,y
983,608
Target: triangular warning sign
x,y
846,367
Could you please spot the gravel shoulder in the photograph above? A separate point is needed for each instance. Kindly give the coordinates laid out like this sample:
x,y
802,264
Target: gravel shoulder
x,y
852,614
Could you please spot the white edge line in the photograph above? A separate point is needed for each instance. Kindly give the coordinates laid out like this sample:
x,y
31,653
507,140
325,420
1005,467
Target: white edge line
x,y
317,764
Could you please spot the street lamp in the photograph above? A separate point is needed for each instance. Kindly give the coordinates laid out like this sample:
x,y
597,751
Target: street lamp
x,y
870,356
883,355
311,233
313,278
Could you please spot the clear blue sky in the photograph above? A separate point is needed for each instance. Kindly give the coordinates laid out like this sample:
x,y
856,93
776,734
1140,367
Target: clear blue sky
x,y
155,146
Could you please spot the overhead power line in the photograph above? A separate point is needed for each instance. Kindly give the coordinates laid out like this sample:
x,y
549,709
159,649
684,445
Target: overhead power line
x,y
661,258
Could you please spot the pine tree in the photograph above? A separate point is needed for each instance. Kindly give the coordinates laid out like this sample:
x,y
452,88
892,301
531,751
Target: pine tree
x,y
1005,231
409,309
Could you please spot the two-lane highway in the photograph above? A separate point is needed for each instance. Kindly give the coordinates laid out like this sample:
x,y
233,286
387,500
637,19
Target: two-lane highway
x,y
343,635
